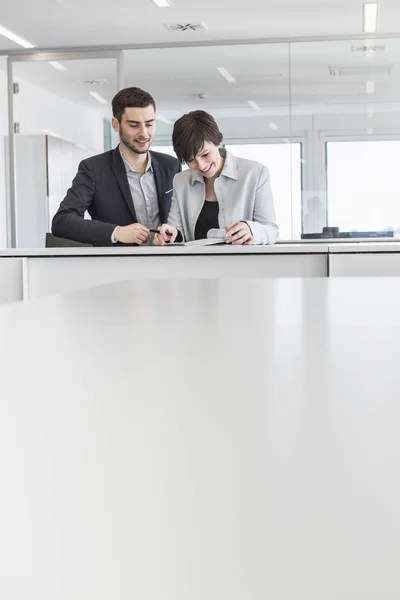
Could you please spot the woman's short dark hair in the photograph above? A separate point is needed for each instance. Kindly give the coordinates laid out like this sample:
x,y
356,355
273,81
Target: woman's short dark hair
x,y
131,97
191,131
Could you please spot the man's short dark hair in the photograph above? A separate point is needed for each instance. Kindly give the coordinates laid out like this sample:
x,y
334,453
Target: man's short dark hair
x,y
191,131
131,97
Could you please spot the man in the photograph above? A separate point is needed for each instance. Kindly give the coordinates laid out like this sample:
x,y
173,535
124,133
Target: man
x,y
126,191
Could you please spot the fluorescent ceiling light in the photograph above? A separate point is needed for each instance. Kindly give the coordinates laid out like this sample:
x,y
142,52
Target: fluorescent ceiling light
x,y
253,105
162,3
99,98
370,131
273,126
370,88
15,38
164,120
370,16
370,112
57,65
226,74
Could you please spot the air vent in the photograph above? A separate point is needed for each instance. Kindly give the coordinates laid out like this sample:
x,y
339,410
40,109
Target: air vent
x,y
365,71
96,81
185,26
372,49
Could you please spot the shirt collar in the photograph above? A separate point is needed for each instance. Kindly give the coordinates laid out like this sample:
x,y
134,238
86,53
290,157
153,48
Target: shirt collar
x,y
228,170
128,166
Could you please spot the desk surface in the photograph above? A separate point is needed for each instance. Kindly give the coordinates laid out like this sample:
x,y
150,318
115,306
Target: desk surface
x,y
165,251
219,440
304,247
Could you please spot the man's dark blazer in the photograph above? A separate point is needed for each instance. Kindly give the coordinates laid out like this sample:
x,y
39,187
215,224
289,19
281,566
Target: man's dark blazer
x,y
101,187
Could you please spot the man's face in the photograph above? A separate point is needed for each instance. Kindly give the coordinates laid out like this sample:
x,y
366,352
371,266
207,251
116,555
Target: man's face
x,y
136,129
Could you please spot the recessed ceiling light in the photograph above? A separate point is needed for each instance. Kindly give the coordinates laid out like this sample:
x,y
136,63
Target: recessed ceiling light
x,y
15,38
225,73
253,105
164,120
57,65
370,87
162,3
370,16
99,98
273,126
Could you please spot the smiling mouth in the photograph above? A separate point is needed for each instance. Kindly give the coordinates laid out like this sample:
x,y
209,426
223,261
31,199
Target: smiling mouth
x,y
206,170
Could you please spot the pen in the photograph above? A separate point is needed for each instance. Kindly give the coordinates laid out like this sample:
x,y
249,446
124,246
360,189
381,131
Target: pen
x,y
156,231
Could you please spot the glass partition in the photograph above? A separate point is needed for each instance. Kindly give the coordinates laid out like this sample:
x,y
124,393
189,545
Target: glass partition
x,y
345,102
246,88
3,151
59,111
323,116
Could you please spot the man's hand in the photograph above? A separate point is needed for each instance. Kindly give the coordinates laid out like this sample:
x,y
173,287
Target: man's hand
x,y
239,233
132,234
162,239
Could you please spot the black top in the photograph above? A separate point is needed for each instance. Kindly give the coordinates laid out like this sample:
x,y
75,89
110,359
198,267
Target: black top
x,y
208,219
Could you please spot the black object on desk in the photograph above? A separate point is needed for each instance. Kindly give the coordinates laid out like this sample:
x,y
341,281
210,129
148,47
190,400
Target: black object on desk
x,y
333,232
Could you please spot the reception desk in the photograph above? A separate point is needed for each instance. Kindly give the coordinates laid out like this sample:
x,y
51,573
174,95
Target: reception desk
x,y
33,273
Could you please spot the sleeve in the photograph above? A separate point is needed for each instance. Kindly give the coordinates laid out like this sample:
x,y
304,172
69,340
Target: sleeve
x,y
175,217
69,221
263,226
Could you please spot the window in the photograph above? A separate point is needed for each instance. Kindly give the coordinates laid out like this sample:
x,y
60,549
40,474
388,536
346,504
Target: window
x,y
363,185
284,163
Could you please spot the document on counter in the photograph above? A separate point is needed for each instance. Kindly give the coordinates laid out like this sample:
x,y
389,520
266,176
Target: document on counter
x,y
202,242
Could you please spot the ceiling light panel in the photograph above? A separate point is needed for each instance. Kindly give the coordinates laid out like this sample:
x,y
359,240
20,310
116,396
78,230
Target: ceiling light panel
x,y
98,97
370,17
226,75
253,105
56,65
10,35
162,3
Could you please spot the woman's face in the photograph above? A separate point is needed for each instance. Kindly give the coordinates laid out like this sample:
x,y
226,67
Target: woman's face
x,y
208,162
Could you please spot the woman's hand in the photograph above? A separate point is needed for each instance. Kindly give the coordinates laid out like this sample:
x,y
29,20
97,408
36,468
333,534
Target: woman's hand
x,y
239,233
162,238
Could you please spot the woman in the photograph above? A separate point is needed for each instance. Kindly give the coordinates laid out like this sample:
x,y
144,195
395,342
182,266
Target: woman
x,y
219,195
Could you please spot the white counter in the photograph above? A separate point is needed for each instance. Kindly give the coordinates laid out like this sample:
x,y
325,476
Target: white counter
x,y
202,440
222,250
58,270
368,260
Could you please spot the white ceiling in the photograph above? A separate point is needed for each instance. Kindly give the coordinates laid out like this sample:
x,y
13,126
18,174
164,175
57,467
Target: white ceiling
x,y
57,23
174,75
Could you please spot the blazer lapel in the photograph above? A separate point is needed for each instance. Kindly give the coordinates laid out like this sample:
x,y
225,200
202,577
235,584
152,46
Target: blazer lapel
x,y
119,171
159,180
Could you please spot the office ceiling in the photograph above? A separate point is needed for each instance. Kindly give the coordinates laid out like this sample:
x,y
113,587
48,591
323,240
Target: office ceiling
x,y
55,23
323,77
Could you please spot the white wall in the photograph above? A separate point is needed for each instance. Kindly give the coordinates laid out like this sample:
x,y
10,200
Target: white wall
x,y
38,112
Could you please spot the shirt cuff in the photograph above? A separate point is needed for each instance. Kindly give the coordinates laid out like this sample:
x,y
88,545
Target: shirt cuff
x,y
114,241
